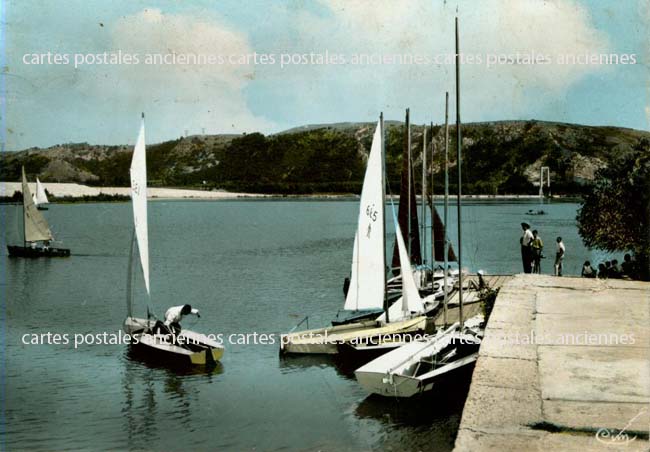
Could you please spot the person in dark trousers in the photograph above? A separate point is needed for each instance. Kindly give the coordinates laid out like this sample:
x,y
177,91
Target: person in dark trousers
x,y
602,271
537,246
526,241
559,256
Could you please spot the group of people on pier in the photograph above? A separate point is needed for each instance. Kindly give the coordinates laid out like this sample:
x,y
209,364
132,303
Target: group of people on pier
x,y
612,270
532,248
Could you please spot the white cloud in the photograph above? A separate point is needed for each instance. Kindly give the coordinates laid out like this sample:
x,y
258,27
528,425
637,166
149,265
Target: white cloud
x,y
548,28
188,95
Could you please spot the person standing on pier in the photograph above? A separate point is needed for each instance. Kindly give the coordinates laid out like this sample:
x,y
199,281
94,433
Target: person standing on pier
x,y
537,246
526,241
559,256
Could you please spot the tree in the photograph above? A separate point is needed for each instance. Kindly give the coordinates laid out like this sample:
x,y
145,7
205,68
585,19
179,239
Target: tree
x,y
615,211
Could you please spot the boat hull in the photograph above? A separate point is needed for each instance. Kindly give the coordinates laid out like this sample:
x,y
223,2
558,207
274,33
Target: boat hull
x,y
27,251
345,317
190,348
327,340
394,385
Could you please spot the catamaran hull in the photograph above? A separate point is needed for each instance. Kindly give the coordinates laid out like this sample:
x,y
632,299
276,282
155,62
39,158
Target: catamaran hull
x,y
28,251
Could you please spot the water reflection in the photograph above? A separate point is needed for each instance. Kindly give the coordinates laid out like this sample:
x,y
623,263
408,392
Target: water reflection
x,y
344,367
152,390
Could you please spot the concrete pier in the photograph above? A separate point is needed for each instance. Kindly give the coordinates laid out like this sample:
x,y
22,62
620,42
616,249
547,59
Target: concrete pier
x,y
565,365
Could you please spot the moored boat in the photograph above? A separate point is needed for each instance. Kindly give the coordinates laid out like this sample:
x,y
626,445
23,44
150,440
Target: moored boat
x,y
367,288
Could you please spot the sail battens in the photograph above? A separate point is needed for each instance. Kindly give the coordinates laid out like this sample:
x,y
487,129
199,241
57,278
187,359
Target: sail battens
x,y
138,172
35,225
366,289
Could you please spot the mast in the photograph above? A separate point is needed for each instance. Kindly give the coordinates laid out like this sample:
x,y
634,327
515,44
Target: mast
x,y
383,207
459,163
408,153
424,195
446,205
24,222
433,215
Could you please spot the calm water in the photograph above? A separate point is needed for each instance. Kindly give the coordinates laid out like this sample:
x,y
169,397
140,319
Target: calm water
x,y
249,266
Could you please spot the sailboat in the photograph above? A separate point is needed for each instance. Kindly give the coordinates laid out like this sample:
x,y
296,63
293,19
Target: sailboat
x,y
367,290
36,232
40,197
186,347
415,367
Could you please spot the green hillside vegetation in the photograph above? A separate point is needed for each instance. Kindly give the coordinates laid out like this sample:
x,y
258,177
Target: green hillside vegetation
x,y
499,158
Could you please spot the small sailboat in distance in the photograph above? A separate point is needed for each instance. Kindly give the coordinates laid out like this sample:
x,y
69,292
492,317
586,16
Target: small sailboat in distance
x,y
150,337
40,197
36,232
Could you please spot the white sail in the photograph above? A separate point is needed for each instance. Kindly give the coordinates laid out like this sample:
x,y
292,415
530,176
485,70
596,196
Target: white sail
x,y
367,282
411,300
36,228
410,304
138,173
41,197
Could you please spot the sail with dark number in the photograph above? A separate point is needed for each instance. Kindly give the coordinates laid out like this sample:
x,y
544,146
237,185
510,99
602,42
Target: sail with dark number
x,y
367,281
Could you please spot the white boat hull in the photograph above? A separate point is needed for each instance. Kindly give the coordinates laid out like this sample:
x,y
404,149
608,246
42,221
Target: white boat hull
x,y
415,367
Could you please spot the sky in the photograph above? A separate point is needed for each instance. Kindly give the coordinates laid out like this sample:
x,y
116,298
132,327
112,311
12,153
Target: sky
x,y
85,99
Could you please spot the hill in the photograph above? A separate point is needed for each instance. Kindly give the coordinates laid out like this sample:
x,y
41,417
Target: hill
x,y
501,157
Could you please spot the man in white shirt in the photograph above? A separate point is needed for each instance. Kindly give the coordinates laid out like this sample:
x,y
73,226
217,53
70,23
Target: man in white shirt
x,y
526,241
173,317
559,256
175,314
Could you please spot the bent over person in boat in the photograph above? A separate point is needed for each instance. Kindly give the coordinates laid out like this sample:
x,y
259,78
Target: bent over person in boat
x,y
173,318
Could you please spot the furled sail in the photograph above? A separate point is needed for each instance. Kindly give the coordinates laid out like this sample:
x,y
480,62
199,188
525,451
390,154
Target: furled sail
x,y
36,228
138,173
439,233
367,281
41,196
412,234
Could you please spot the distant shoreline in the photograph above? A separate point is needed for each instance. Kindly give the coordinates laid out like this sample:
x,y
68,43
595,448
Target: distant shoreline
x,y
74,193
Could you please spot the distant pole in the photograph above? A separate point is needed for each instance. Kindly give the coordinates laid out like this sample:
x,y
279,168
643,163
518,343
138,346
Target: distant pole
x,y
459,163
408,152
541,182
383,206
423,210
444,215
